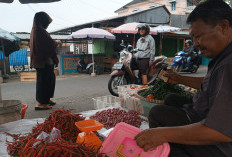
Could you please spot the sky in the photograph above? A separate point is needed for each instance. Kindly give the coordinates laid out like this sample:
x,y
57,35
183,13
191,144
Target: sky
x,y
17,17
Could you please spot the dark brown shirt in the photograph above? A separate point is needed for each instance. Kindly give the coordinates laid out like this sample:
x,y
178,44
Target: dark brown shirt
x,y
212,105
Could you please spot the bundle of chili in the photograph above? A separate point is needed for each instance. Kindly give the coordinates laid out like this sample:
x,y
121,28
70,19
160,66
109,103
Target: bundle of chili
x,y
63,120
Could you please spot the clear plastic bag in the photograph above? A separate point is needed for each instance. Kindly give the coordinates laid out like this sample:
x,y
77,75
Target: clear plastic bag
x,y
55,134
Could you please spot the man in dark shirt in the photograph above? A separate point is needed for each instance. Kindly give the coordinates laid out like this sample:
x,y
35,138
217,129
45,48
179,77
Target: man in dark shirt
x,y
202,126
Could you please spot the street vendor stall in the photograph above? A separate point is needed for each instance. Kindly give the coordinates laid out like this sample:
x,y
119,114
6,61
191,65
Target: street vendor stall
x,y
60,135
92,34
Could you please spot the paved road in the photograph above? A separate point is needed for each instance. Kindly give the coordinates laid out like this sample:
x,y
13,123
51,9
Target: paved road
x,y
72,92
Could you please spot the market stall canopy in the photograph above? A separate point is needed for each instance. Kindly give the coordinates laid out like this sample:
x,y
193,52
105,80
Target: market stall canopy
x,y
91,33
130,28
163,29
8,42
29,1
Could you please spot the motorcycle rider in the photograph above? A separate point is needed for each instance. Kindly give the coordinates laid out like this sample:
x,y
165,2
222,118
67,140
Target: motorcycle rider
x,y
189,52
146,51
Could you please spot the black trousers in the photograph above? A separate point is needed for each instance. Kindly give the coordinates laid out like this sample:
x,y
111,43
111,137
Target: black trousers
x,y
171,114
45,85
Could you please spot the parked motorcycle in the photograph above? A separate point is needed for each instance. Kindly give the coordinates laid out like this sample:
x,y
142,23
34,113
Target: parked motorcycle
x,y
83,67
125,71
180,59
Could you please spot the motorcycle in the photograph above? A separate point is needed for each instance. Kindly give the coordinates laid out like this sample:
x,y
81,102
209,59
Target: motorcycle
x,y
82,67
180,60
125,71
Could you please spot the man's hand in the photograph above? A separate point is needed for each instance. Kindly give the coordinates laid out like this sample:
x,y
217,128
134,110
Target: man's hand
x,y
150,63
150,139
192,134
173,77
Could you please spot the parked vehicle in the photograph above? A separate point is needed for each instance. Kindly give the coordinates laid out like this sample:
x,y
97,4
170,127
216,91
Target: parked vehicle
x,y
125,71
83,67
180,59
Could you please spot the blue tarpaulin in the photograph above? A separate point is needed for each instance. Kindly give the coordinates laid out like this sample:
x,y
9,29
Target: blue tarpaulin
x,y
17,57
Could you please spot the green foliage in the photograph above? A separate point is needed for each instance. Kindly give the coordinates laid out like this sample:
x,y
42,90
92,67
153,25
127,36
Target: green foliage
x,y
160,90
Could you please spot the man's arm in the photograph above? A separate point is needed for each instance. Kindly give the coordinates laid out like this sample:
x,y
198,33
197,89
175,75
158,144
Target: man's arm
x,y
152,47
175,78
193,82
193,134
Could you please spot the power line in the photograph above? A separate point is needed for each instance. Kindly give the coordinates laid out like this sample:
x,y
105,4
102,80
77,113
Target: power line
x,y
31,8
60,18
36,11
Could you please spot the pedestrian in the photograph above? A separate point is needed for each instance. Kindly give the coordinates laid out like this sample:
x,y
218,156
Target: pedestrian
x,y
146,51
43,59
199,127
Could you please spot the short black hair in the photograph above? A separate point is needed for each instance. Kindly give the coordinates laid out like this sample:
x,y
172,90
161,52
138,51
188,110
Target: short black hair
x,y
211,12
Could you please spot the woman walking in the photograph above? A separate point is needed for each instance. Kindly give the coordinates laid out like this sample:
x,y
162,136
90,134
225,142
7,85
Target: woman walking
x,y
43,59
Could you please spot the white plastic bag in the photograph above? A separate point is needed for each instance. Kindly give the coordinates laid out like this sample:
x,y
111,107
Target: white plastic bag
x,y
55,134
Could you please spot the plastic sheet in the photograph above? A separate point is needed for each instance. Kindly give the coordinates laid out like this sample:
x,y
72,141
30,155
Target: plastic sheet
x,y
25,125
17,127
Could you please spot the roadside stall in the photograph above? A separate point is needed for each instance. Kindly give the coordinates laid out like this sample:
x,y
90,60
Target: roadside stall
x,y
103,132
161,29
109,130
93,35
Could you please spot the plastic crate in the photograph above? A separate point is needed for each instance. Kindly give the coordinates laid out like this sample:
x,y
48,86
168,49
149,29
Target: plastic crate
x,y
131,103
125,95
124,131
106,101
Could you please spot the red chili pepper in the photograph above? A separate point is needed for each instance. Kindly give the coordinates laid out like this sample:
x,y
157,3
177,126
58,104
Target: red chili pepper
x,y
63,120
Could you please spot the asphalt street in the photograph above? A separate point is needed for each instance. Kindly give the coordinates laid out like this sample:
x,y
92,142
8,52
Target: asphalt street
x,y
72,92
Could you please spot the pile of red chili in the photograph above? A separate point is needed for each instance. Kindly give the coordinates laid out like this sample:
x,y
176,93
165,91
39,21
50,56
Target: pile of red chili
x,y
112,117
62,119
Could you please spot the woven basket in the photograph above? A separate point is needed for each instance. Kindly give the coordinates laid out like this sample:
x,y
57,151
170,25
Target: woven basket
x,y
146,103
138,95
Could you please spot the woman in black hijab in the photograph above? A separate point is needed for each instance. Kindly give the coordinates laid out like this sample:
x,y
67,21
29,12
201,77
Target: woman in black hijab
x,y
43,59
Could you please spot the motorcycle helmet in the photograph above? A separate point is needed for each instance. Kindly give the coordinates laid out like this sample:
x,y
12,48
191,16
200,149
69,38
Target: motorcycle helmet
x,y
189,41
143,26
129,48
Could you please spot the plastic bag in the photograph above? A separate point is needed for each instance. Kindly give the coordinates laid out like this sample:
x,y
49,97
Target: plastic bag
x,y
55,134
43,136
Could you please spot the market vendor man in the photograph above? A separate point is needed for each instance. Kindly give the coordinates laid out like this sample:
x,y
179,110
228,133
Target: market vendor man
x,y
146,51
202,128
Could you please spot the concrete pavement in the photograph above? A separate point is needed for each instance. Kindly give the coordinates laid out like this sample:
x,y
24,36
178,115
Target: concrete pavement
x,y
72,92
